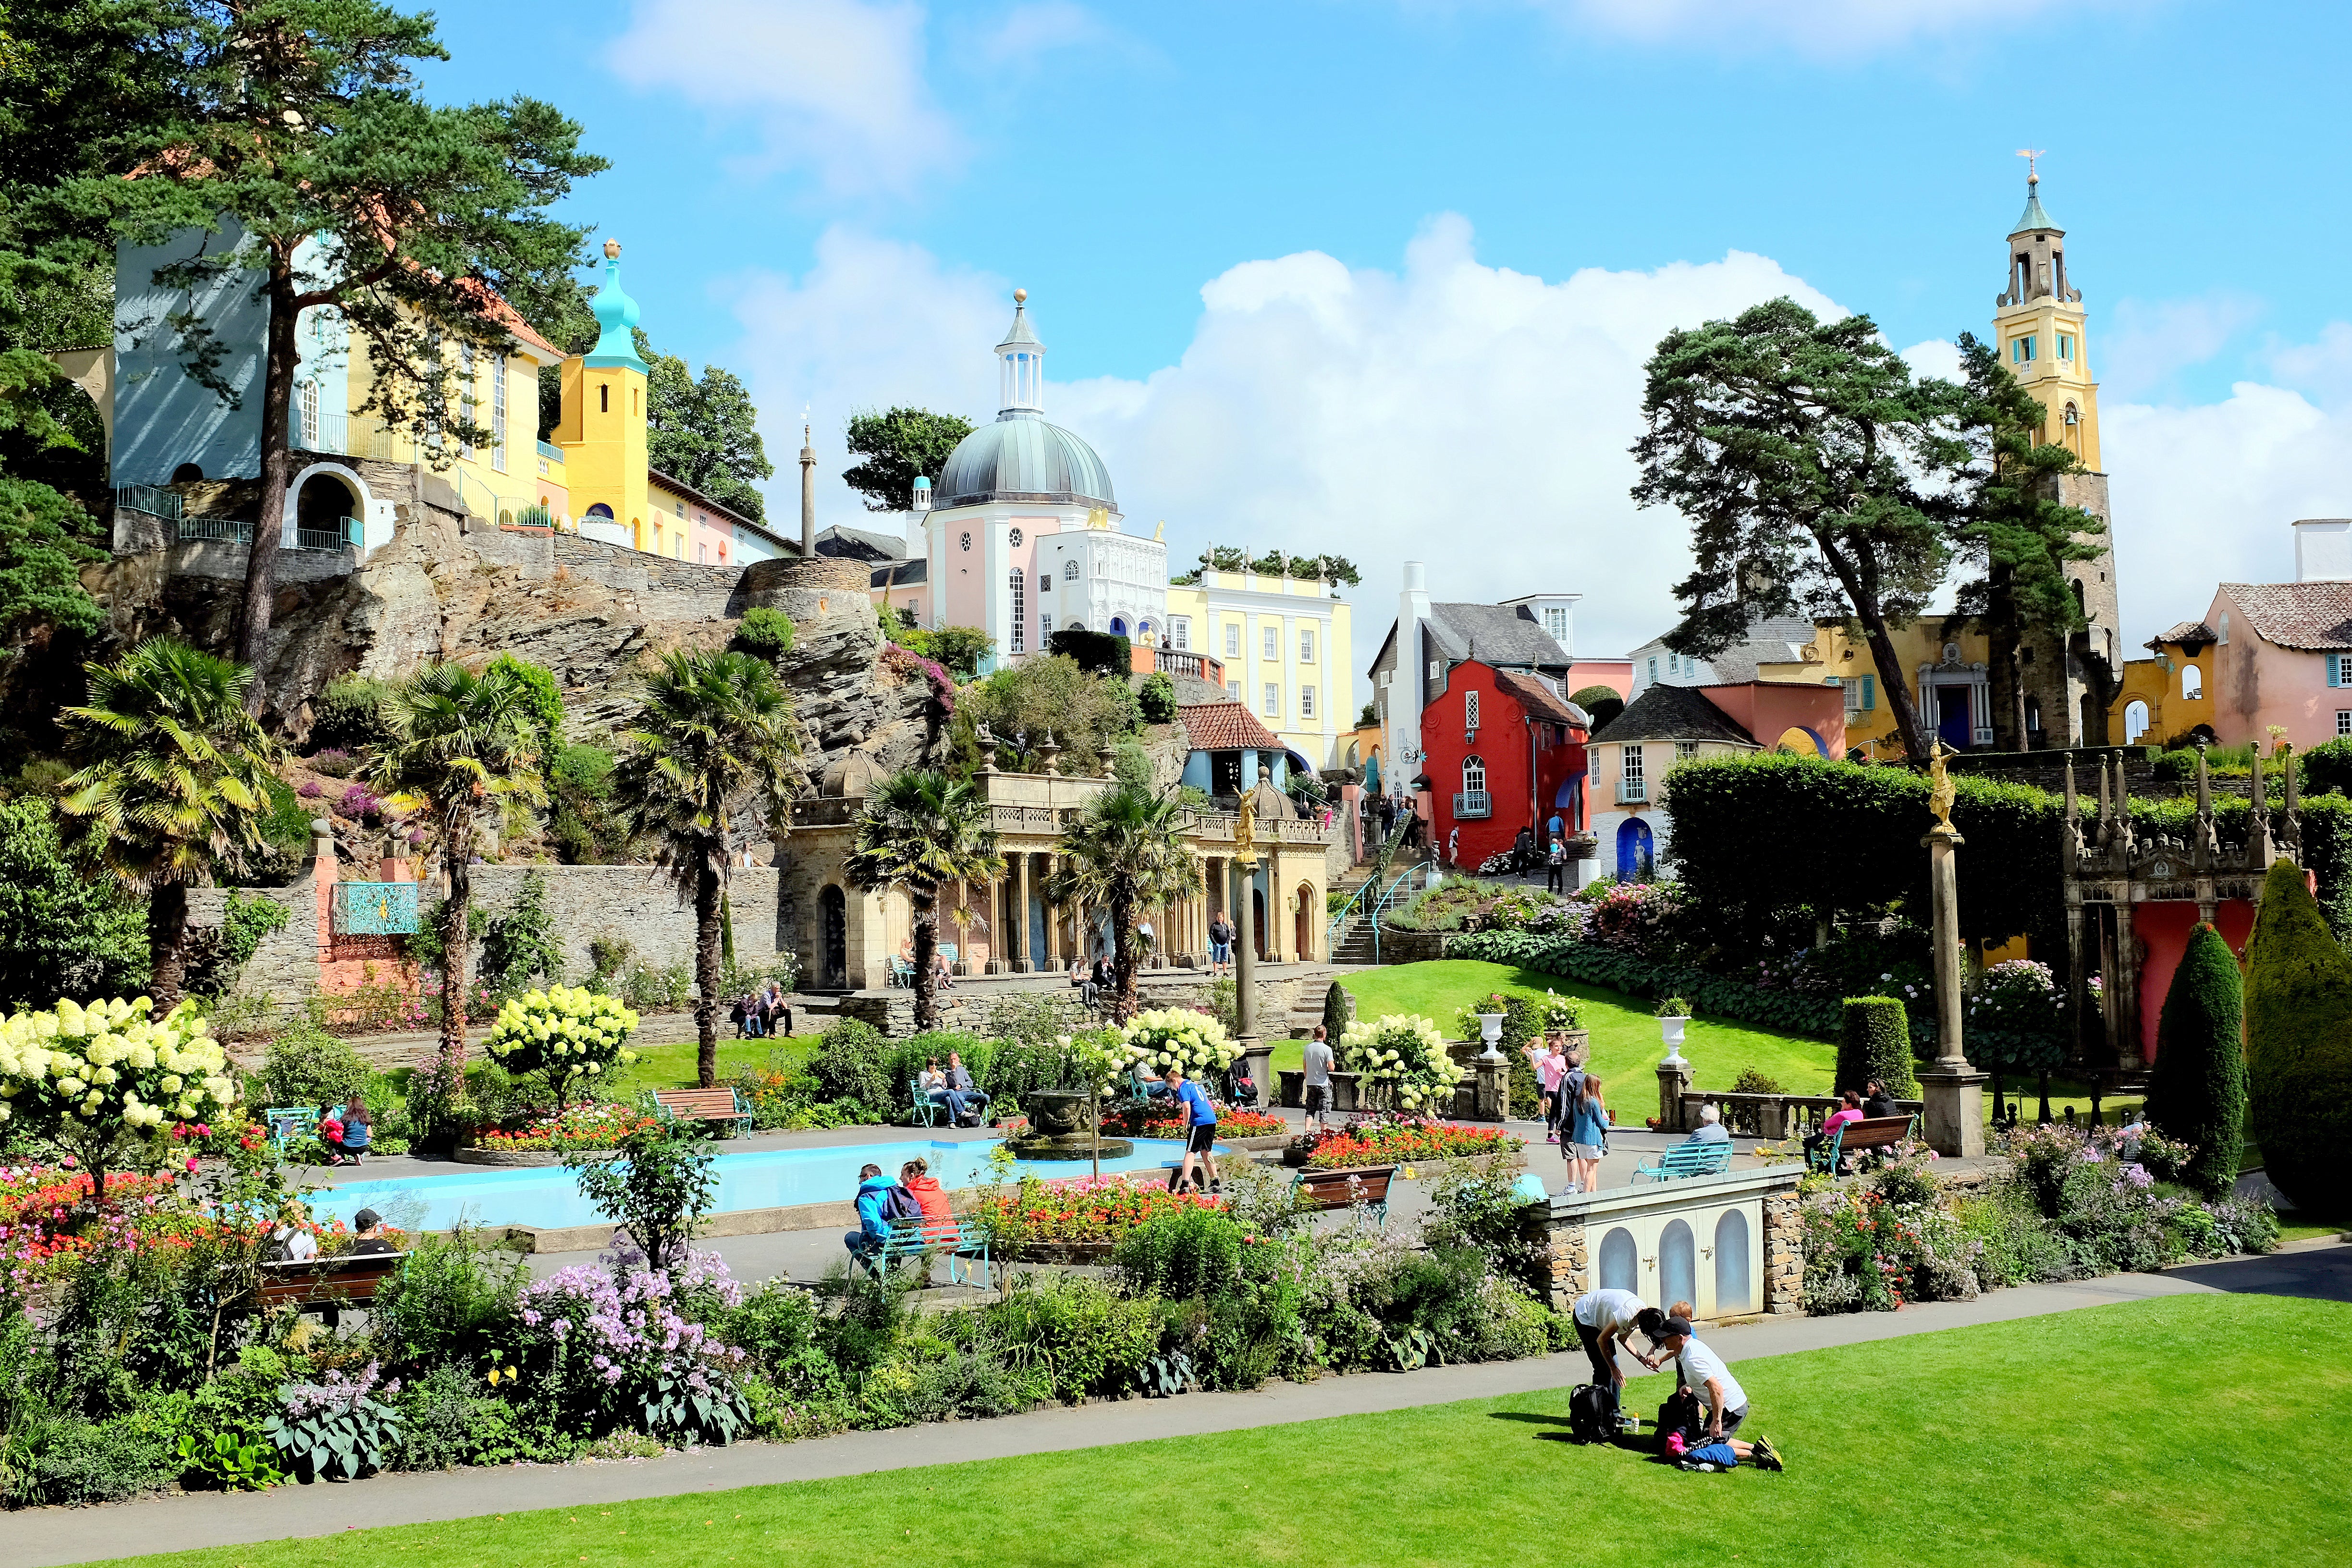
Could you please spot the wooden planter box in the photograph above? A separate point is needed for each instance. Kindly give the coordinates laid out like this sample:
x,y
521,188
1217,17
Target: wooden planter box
x,y
1058,1252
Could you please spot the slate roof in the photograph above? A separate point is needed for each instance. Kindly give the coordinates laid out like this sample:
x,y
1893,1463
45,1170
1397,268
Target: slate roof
x,y
2194,632
860,544
1540,700
900,574
1771,639
1225,727
2314,617
1494,633
1673,713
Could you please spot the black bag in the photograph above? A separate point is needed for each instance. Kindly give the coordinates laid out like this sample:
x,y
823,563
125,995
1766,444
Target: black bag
x,y
1591,1414
1681,1413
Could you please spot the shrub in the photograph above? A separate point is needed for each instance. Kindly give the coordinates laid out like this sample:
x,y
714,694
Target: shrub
x,y
2197,1092
542,697
764,632
1182,1253
852,1062
89,1078
1179,1037
452,1299
308,1066
2017,1018
337,1427
520,946
1875,1042
1752,1080
608,1348
63,932
1338,1012
658,1189
348,716
564,1033
1157,699
583,821
1403,1061
1098,653
2298,1004
2327,767
1076,1330
80,1461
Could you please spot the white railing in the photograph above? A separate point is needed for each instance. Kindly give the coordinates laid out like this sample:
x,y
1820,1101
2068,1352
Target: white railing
x,y
1632,791
1473,804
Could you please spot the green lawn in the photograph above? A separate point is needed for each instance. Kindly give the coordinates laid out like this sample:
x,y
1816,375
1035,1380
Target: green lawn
x,y
672,1066
2111,1435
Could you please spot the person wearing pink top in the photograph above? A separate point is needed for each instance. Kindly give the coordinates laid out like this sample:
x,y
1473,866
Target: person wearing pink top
x,y
1549,1062
1851,1111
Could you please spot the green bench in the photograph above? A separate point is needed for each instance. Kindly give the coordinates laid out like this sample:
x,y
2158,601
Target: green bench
x,y
288,1123
966,1240
1688,1160
1860,1137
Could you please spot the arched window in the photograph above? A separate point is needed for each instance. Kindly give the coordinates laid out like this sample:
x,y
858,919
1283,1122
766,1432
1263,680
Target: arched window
x,y
1733,1293
600,511
2135,722
2192,680
1678,1263
1070,569
1118,626
1474,776
1143,629
1620,1261
2034,715
186,473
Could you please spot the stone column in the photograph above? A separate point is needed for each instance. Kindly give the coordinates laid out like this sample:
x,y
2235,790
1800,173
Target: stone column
x,y
1673,1077
1494,1080
1571,1262
997,964
1016,946
1053,923
1244,969
1953,1090
1274,917
1784,1255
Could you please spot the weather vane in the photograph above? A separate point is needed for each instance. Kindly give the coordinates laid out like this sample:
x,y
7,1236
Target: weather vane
x,y
2029,154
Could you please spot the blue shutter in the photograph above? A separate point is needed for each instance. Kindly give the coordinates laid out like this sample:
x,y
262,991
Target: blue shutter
x,y
1869,693
2335,669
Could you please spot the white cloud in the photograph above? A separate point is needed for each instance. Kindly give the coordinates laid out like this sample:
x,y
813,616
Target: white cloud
x,y
1831,28
834,86
2144,344
1027,33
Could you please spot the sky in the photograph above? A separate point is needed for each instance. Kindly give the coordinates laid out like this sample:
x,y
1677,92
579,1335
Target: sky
x,y
1379,276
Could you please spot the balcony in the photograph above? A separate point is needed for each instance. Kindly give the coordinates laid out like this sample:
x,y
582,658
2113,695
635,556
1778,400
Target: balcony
x,y
343,533
1473,804
1632,792
1199,666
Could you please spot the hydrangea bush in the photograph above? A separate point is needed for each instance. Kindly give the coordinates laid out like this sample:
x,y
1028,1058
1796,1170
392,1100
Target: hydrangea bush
x,y
1401,1058
88,1076
1179,1037
564,1033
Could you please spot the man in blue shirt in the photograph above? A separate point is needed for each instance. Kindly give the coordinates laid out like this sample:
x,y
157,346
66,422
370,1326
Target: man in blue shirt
x,y
873,1214
1200,1142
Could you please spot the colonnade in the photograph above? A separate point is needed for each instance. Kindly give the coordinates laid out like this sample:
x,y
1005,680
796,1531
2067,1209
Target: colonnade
x,y
1015,939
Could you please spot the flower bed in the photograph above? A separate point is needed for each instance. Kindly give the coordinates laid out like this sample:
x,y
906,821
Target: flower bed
x,y
1388,1140
1158,1122
580,1127
1061,1213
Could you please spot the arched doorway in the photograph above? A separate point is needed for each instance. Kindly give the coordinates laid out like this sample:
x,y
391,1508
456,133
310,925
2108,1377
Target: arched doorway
x,y
832,918
2135,722
1731,1288
1618,1263
1677,1264
1302,946
328,505
1258,920
1118,626
1635,853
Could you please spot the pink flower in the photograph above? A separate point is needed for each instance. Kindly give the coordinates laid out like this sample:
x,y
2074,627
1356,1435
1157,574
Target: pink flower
x,y
191,1162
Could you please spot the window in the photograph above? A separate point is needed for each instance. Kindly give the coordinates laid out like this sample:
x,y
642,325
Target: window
x,y
2344,720
1307,703
1232,639
1044,585
498,412
1045,624
1233,690
1020,626
1686,749
465,395
702,553
1852,695
1470,710
1273,700
1436,671
1474,776
1307,645
2192,682
1556,622
1013,539
604,398
1632,765
2020,350
2223,639
1179,631
2340,670
1272,640
2066,350
1654,670
309,406
1070,569
1861,693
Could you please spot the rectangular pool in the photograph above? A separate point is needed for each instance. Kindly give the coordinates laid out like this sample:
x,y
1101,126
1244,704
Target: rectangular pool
x,y
547,1196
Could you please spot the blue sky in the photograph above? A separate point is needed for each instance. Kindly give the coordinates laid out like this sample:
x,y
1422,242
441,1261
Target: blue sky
x,y
1378,276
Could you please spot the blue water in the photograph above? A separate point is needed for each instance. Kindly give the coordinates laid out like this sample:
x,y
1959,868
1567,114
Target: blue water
x,y
546,1196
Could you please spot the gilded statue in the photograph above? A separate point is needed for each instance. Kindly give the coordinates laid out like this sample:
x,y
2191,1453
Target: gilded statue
x,y
1245,830
1939,785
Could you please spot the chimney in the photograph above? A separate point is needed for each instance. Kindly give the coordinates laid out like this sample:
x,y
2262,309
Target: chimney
x,y
2323,549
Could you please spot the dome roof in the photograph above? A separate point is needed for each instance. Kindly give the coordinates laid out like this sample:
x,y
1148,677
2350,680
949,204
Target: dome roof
x,y
1023,458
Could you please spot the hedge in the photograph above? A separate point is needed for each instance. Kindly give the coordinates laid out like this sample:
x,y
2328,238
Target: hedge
x,y
2298,1001
2196,1092
1873,1042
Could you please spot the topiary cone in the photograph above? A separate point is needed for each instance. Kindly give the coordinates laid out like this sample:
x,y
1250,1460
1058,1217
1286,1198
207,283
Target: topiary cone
x,y
2198,1090
1875,1042
2299,1046
1338,1012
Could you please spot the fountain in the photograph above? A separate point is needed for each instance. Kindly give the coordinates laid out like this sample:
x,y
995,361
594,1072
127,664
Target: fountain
x,y
1061,1127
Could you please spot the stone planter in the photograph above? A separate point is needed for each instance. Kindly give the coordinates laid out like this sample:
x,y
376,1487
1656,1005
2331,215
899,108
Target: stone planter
x,y
1670,1029
1061,1127
525,1156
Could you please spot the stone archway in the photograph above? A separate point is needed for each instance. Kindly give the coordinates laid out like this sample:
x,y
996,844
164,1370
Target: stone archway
x,y
833,920
1302,924
310,505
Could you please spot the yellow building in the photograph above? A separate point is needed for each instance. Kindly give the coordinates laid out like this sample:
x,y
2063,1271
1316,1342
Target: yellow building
x,y
1946,675
1285,644
2166,696
2038,327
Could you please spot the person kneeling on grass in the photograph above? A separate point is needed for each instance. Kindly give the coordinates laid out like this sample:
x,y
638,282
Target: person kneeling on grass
x,y
1701,1372
873,1214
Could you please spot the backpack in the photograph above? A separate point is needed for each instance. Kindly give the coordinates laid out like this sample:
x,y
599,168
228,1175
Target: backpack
x,y
1591,1414
900,1203
1681,1413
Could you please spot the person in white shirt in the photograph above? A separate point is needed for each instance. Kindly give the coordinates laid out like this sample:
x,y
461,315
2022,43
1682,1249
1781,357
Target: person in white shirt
x,y
1607,1319
1318,1062
1701,1372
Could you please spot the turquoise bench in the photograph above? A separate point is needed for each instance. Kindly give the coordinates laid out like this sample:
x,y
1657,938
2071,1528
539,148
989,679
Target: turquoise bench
x,y
966,1242
1688,1160
288,1123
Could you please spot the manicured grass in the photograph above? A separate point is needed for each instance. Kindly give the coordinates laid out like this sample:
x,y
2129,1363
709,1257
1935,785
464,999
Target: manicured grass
x,y
2111,1435
672,1066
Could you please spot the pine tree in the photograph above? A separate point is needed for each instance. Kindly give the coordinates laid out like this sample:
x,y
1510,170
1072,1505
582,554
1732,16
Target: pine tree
x,y
2299,1046
2198,1092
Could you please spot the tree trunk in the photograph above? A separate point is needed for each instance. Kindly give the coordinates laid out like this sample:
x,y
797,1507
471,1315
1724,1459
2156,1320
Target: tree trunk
x,y
706,973
279,362
167,939
926,902
2017,691
455,856
1865,600
1122,961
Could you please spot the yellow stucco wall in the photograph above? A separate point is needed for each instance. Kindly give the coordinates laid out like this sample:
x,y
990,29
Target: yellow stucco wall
x,y
602,434
2163,683
487,489
1837,653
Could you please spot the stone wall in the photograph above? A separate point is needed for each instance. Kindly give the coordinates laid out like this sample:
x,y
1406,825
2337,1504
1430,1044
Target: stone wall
x,y
1784,1254
970,1008
1767,1196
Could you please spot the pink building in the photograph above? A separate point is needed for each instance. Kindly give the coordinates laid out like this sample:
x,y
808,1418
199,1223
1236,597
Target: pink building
x,y
2282,653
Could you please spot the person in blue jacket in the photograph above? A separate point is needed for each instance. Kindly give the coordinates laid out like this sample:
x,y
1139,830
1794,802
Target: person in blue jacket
x,y
872,1213
1200,1138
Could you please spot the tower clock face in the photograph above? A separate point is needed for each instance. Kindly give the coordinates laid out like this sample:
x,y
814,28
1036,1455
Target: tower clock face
x,y
967,542
1015,537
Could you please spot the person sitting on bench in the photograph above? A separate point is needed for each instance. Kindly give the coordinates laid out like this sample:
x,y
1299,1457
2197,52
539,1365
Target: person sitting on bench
x,y
873,1214
936,1089
1710,1127
292,1240
1849,1111
959,1084
931,1198
367,1227
1876,1102
1152,1084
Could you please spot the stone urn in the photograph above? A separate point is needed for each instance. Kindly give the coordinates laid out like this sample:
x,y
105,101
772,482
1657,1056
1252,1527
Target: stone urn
x,y
1061,1127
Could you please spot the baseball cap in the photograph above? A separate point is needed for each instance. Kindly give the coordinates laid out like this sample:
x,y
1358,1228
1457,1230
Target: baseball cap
x,y
366,1219
1678,1326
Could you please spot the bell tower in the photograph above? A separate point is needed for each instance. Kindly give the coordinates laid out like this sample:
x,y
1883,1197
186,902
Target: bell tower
x,y
602,427
2038,329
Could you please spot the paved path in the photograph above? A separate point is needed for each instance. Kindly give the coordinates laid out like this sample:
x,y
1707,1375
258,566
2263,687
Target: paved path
x,y
36,1538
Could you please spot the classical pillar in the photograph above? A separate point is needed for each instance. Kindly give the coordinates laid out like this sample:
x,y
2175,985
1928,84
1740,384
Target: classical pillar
x,y
1673,1078
1244,967
1018,948
1273,918
1053,923
1954,1090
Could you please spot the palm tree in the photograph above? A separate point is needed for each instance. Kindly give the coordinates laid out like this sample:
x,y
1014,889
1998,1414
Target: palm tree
x,y
923,831
714,727
175,786
1126,853
460,742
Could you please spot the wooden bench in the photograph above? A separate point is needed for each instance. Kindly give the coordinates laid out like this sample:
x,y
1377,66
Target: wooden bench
x,y
1711,1159
342,1280
1858,1137
702,1105
963,1239
1369,1185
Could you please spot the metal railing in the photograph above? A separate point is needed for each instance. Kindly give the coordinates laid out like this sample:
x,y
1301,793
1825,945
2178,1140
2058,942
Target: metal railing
x,y
1632,791
1388,898
153,499
1472,803
345,533
222,529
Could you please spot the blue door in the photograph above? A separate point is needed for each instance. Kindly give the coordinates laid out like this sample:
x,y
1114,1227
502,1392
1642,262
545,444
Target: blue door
x,y
1632,851
1953,725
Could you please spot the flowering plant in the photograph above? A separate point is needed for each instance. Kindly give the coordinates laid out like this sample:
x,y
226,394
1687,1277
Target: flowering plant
x,y
1404,1054
1098,1056
1179,1037
336,1427
1159,1121
2017,1017
564,1033
1077,1211
1392,1139
89,1075
1636,917
607,1340
591,1126
1557,1012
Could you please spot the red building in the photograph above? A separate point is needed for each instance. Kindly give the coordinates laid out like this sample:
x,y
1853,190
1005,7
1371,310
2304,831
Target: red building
x,y
1501,750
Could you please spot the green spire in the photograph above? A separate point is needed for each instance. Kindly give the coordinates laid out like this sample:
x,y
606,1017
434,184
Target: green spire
x,y
2034,217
